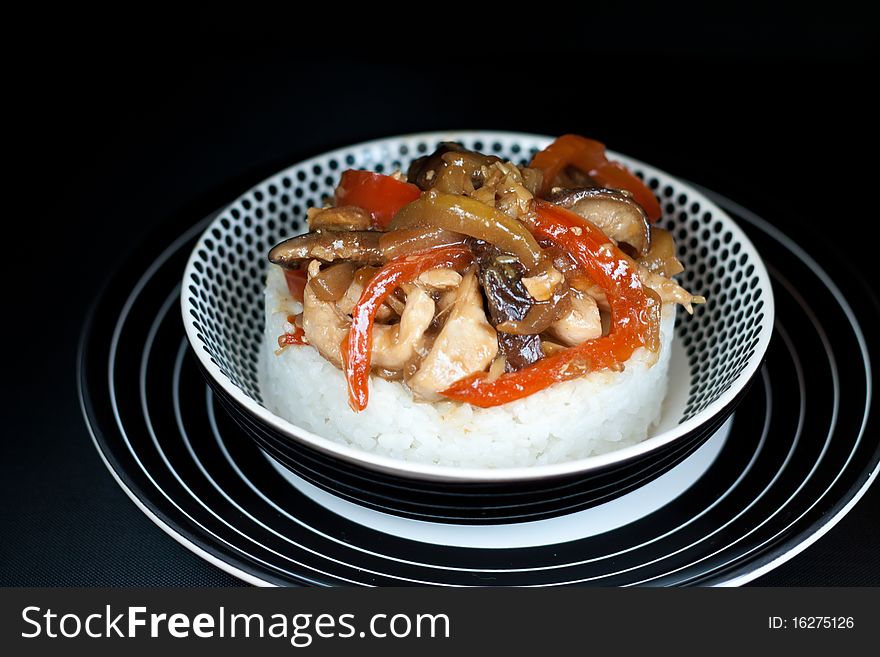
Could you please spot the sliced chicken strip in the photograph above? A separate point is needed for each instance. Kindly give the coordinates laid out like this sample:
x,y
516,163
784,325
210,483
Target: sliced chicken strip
x,y
396,345
440,279
669,290
467,344
595,292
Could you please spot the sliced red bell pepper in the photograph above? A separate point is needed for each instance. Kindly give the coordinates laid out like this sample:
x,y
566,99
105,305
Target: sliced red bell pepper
x,y
298,337
357,349
296,282
588,155
381,196
635,316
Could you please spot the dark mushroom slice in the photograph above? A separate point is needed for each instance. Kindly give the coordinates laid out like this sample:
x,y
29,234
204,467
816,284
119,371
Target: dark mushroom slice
x,y
508,301
360,247
451,168
613,211
541,315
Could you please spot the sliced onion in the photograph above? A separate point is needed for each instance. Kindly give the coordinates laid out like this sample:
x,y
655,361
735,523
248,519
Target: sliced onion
x,y
497,367
462,214
660,258
549,347
409,240
331,283
541,315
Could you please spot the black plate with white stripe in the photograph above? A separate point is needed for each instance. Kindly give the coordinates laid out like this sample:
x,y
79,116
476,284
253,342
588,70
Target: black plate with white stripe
x,y
793,459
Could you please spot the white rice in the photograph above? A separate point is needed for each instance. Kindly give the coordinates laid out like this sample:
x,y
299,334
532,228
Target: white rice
x,y
598,413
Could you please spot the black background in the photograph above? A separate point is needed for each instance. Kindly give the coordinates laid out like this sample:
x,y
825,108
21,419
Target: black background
x,y
127,127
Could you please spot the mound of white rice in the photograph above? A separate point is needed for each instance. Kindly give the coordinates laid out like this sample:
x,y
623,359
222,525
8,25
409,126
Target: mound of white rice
x,y
598,413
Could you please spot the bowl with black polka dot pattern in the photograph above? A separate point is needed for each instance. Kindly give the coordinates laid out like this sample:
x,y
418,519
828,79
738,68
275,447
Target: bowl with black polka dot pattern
x,y
716,352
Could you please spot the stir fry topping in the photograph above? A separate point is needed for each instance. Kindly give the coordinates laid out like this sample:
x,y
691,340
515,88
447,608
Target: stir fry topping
x,y
479,281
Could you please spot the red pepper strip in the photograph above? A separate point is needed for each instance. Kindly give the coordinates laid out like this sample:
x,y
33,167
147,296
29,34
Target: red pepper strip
x,y
296,282
298,337
588,155
381,196
357,350
635,316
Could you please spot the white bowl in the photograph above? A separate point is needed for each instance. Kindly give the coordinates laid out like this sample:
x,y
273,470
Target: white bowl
x,y
716,352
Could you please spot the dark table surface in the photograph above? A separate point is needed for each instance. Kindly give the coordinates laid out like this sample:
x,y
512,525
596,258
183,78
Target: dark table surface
x,y
124,134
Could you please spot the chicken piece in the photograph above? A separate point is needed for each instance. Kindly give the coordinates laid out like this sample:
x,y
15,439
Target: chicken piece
x,y
467,344
542,285
593,291
531,179
440,279
395,345
669,290
445,303
582,322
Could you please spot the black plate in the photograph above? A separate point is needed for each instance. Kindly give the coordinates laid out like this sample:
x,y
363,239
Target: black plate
x,y
794,462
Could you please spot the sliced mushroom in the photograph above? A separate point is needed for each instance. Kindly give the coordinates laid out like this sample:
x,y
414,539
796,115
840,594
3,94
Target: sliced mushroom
x,y
451,168
467,344
541,315
360,247
614,212
582,322
423,170
400,242
346,217
508,301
